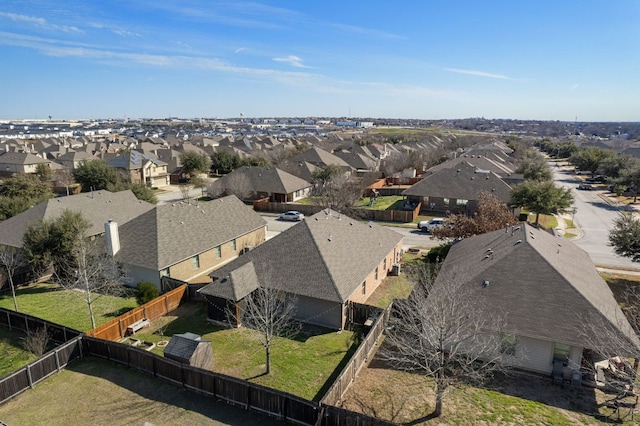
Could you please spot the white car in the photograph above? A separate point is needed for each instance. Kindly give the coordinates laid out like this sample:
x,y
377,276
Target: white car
x,y
291,215
430,225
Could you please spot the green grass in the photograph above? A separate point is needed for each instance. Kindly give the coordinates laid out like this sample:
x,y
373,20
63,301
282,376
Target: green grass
x,y
569,223
12,356
391,202
65,307
301,366
391,288
569,235
545,221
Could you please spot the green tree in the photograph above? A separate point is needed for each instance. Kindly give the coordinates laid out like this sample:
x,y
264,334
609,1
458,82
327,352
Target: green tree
x,y
21,192
541,197
630,177
50,243
195,163
43,171
96,175
255,161
612,166
144,193
535,169
224,162
146,292
625,236
589,158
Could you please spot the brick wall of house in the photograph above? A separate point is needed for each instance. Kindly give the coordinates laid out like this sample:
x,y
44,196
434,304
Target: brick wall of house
x,y
209,260
361,295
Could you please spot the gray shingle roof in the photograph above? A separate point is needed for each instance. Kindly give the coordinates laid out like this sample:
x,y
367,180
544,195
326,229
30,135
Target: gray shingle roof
x,y
21,158
182,346
546,284
319,157
133,160
266,179
325,257
236,285
464,182
96,207
172,233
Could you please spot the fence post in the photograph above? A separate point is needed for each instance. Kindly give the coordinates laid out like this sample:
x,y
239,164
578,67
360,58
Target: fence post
x,y
9,320
29,376
57,360
166,305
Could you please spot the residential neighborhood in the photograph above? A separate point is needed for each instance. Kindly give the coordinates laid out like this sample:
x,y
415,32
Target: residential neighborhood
x,y
347,267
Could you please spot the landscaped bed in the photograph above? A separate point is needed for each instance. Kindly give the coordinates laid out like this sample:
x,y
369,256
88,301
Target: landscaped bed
x,y
65,307
302,366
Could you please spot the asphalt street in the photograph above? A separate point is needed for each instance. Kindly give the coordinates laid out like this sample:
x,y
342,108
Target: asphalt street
x,y
594,216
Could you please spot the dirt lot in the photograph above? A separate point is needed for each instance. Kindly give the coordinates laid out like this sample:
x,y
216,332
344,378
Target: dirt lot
x,y
94,392
514,400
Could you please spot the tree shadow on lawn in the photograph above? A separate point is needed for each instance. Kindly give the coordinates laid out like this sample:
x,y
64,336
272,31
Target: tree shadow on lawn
x,y
533,387
348,354
117,312
158,390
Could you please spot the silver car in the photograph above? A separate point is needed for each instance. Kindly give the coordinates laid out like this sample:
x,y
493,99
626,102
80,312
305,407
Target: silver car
x,y
291,215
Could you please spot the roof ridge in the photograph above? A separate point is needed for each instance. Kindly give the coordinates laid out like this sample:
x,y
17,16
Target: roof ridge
x,y
324,262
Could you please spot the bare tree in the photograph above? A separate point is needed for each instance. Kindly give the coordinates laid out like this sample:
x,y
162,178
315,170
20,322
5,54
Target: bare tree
x,y
492,214
237,184
11,260
440,333
36,341
270,313
95,273
185,188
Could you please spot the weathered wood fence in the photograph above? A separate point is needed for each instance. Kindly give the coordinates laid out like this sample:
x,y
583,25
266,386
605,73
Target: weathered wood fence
x,y
161,305
242,393
361,356
48,364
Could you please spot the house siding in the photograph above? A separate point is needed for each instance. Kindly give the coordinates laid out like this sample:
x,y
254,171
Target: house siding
x,y
534,355
384,267
136,274
319,312
209,260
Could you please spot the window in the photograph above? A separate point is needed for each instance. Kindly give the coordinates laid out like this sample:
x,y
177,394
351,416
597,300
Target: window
x,y
233,245
364,287
445,201
508,343
462,202
218,252
164,272
384,264
196,261
561,352
376,272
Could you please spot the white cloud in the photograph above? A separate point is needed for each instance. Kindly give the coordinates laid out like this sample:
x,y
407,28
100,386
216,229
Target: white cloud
x,y
292,60
367,32
478,73
39,22
240,49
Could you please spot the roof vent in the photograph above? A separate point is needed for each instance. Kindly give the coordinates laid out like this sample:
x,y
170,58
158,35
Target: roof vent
x,y
518,242
485,283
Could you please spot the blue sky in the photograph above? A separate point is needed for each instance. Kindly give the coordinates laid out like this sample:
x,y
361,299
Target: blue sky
x,y
543,59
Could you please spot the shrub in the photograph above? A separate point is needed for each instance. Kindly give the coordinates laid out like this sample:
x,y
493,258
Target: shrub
x,y
437,254
146,292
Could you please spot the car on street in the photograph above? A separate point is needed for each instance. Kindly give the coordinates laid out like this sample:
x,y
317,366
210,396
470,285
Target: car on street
x,y
291,215
585,186
430,225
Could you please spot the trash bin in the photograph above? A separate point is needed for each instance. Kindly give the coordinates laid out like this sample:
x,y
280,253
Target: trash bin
x,y
395,270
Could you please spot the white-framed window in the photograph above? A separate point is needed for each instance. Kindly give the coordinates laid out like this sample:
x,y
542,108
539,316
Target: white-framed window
x,y
364,287
164,272
196,261
233,245
445,201
218,252
461,202
376,272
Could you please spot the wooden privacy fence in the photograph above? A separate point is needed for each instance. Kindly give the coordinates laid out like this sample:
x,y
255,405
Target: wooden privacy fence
x,y
161,305
358,360
266,206
28,323
234,391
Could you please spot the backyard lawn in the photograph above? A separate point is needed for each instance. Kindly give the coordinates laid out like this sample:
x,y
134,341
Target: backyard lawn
x,y
96,392
12,356
301,366
65,307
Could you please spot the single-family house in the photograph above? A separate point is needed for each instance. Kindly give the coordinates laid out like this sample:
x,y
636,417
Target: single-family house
x,y
97,207
326,261
137,167
548,291
20,162
187,241
263,182
456,190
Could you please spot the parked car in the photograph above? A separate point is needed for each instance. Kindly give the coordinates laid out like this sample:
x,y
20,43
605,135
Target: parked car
x,y
596,179
585,186
291,215
430,225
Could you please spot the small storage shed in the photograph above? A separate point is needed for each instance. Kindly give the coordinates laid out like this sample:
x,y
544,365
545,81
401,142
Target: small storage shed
x,y
189,348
